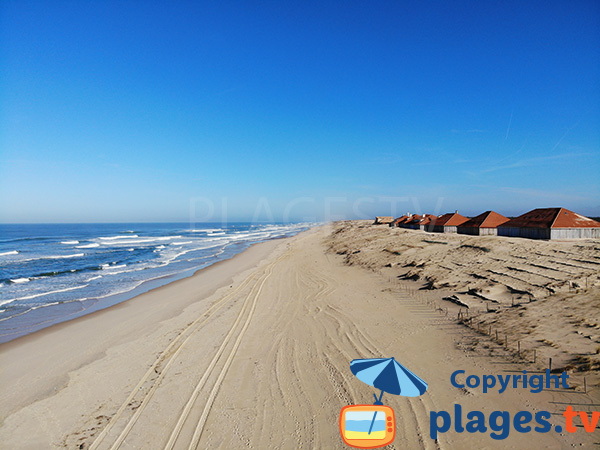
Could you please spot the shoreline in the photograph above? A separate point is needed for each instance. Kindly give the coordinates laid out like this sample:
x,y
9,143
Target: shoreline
x,y
68,311
116,320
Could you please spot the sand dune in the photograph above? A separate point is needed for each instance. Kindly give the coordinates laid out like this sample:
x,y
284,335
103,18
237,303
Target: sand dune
x,y
545,294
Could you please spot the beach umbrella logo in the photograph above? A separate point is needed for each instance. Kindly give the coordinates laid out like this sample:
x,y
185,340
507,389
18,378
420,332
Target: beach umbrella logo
x,y
372,426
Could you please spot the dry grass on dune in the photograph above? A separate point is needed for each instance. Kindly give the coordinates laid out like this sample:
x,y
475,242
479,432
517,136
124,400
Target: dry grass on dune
x,y
545,294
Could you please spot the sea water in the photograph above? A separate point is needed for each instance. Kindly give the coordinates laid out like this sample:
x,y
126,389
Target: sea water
x,y
52,273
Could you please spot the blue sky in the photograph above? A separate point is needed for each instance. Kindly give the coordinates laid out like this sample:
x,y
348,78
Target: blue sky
x,y
177,111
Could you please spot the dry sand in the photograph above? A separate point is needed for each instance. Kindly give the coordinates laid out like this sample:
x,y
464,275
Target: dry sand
x,y
254,353
545,294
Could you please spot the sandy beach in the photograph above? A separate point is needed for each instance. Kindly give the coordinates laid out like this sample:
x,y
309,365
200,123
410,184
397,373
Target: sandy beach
x,y
254,352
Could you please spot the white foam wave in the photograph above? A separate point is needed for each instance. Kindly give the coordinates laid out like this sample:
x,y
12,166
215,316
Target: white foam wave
x,y
39,278
108,266
217,234
177,255
137,269
70,242
94,245
113,238
20,280
213,255
218,239
93,278
29,297
182,243
6,302
13,252
240,235
145,240
204,230
33,308
76,255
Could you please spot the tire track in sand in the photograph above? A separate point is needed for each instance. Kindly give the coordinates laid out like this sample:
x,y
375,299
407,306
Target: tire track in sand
x,y
168,356
248,305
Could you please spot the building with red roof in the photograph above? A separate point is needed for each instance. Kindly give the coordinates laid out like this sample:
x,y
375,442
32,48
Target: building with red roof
x,y
414,221
447,223
426,222
485,224
550,223
399,221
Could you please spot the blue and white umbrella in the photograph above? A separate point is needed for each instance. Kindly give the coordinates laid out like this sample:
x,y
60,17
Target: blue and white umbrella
x,y
389,376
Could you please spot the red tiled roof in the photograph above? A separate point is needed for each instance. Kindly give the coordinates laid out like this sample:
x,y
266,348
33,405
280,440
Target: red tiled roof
x,y
551,218
416,218
401,219
488,219
421,219
441,220
427,218
569,219
450,220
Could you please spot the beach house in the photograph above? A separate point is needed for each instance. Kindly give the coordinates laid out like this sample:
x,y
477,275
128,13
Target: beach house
x,y
425,223
447,223
550,223
413,222
485,224
399,221
383,220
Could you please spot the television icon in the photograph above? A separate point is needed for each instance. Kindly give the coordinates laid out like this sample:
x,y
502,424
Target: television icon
x,y
367,426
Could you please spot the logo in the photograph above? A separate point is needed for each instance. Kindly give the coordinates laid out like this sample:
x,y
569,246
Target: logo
x,y
373,426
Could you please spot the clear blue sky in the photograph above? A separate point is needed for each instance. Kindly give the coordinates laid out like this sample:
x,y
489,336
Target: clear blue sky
x,y
158,111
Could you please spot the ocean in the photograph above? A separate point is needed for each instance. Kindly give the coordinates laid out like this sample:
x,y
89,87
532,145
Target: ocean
x,y
56,272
